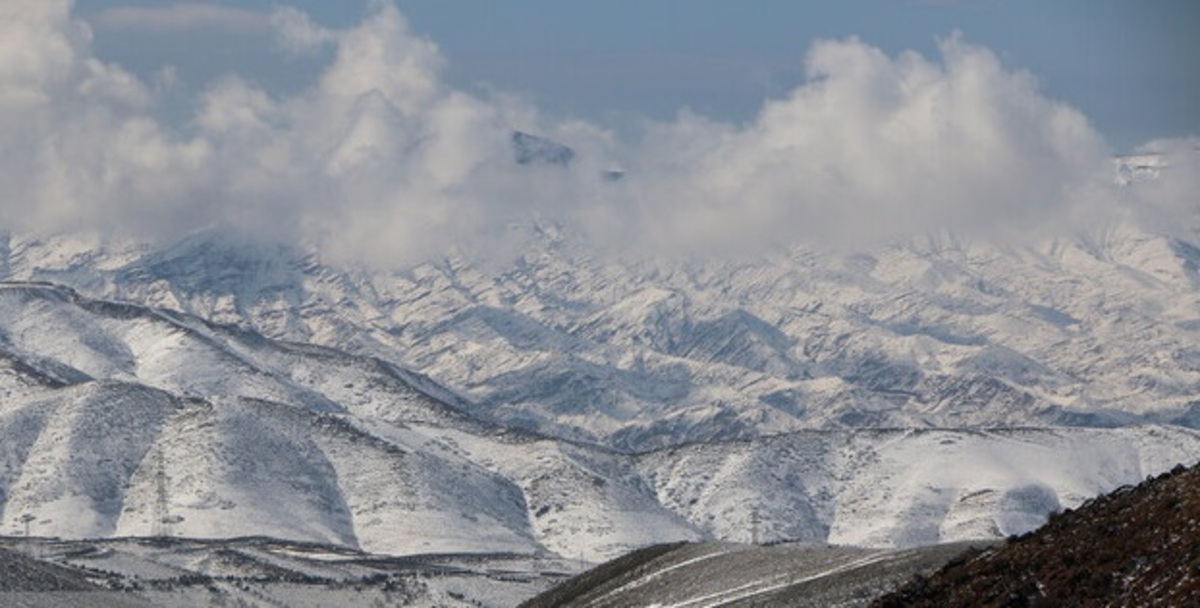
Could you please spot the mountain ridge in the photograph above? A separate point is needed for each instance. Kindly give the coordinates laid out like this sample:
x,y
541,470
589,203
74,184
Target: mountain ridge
x,y
937,332
611,401
228,425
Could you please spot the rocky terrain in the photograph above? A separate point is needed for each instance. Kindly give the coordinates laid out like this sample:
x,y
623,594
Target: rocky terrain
x,y
564,403
1137,546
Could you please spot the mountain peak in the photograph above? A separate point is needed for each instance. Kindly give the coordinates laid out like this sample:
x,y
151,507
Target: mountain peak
x,y
534,150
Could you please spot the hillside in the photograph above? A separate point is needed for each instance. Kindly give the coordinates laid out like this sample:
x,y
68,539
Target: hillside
x,y
1135,546
120,417
125,420
50,573
795,576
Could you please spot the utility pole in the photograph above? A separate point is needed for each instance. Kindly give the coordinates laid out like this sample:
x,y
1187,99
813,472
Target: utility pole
x,y
27,519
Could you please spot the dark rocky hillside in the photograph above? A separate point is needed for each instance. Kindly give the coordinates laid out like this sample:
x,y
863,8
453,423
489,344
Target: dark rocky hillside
x,y
33,583
1138,546
20,574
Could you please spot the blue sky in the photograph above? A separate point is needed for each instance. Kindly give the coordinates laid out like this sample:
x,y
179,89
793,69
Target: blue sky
x,y
1130,66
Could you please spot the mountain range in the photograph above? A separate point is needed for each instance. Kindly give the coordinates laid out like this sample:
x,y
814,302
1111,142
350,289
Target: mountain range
x,y
570,403
1098,332
125,420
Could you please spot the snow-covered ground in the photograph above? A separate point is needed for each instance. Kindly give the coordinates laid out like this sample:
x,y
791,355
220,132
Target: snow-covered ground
x,y
723,574
263,572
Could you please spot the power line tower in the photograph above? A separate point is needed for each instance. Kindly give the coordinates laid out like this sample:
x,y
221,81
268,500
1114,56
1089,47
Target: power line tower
x,y
162,498
754,521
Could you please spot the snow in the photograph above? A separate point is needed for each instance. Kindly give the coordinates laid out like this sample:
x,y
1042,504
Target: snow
x,y
1095,329
266,572
764,586
905,488
383,411
246,436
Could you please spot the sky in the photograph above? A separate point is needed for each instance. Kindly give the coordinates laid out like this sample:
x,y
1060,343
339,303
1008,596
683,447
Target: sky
x,y
1129,65
379,130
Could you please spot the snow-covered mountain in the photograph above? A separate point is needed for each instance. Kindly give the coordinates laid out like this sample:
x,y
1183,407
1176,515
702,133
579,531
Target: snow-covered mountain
x,y
119,419
577,404
1099,330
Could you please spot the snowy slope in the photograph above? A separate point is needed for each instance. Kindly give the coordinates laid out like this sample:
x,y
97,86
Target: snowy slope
x,y
123,420
260,572
243,436
905,488
1100,329
725,574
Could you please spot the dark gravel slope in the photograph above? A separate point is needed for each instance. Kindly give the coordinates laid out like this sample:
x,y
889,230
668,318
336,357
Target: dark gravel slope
x,y
712,574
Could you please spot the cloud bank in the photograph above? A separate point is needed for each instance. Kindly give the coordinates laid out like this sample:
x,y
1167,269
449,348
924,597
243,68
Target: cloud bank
x,y
380,159
875,147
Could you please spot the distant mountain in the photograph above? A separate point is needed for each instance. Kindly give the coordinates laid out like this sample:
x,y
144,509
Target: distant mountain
x,y
119,419
571,405
1136,546
1095,331
123,420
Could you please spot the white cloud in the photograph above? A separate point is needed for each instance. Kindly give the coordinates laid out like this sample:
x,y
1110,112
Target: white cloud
x,y
181,16
297,33
380,159
1170,203
72,129
876,147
